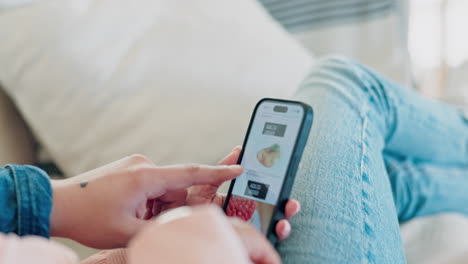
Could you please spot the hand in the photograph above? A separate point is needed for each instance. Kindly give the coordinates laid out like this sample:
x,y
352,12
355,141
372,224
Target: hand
x,y
106,207
202,235
208,193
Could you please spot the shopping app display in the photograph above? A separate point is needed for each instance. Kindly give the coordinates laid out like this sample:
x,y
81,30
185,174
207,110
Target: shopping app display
x,y
266,158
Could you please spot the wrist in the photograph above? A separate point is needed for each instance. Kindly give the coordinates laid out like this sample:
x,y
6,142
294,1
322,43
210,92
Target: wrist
x,y
60,210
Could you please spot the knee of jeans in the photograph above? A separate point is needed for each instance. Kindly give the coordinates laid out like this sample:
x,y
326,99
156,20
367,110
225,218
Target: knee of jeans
x,y
345,77
335,60
343,71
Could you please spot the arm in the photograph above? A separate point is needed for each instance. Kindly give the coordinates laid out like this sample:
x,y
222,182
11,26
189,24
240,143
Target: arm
x,y
106,207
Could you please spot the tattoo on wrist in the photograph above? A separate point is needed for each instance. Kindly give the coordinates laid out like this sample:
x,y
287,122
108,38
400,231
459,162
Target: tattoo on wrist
x,y
83,184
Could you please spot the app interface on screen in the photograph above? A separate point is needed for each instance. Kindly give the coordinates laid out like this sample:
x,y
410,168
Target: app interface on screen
x,y
266,159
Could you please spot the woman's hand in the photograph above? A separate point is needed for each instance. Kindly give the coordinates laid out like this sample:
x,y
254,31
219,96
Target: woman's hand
x,y
208,193
106,207
201,235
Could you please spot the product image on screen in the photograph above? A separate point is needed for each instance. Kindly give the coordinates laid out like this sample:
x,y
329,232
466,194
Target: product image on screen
x,y
267,153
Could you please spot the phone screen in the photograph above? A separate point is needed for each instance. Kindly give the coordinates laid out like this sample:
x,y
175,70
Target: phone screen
x,y
267,153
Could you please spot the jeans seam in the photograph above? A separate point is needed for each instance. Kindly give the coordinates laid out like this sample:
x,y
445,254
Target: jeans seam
x,y
19,198
365,181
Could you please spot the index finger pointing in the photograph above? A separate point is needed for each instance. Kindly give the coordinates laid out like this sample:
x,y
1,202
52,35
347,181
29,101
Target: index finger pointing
x,y
183,176
232,157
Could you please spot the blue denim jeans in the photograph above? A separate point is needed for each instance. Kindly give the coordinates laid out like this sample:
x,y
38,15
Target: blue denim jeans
x,y
377,154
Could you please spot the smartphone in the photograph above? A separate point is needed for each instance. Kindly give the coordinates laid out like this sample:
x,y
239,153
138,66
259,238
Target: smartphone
x,y
270,156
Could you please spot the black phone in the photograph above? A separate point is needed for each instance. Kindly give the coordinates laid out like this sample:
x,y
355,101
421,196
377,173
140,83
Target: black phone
x,y
270,156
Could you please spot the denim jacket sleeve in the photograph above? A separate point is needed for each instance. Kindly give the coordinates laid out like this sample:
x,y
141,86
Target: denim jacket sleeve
x,y
25,201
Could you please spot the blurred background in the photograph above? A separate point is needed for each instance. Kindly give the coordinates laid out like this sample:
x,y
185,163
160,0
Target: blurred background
x,y
438,47
420,43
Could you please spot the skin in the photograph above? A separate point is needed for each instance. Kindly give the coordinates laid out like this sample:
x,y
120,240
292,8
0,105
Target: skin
x,y
108,206
206,236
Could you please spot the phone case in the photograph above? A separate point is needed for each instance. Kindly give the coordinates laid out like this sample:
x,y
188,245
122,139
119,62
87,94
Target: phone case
x,y
298,149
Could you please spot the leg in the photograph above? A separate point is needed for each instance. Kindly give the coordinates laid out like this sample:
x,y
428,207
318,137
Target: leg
x,y
348,211
422,188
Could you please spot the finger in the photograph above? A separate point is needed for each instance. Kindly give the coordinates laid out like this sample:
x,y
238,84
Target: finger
x,y
292,208
149,210
173,196
173,199
177,177
260,250
219,199
232,158
283,229
167,201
